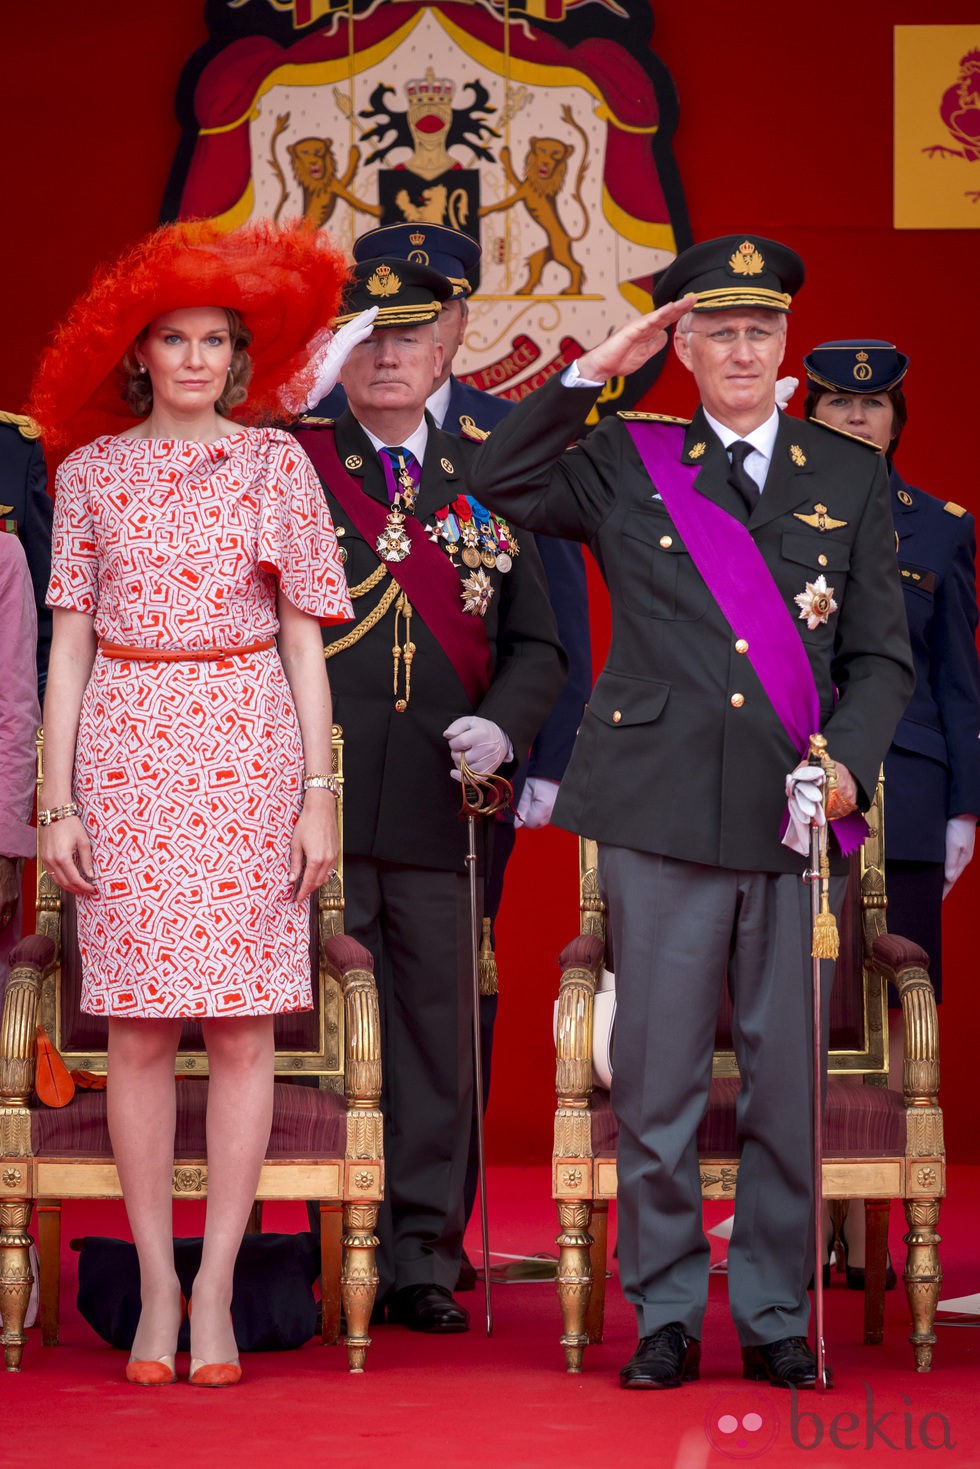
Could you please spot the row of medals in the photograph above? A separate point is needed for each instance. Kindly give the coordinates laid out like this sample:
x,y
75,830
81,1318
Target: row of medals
x,y
480,539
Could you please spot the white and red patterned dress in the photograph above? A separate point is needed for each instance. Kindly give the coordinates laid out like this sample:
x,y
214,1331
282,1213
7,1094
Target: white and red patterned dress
x,y
189,773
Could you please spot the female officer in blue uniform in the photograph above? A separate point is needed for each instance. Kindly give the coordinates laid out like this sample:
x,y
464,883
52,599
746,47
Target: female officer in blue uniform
x,y
932,771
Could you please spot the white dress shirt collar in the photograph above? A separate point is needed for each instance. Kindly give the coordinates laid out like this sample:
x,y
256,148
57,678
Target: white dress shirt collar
x,y
762,439
438,402
415,443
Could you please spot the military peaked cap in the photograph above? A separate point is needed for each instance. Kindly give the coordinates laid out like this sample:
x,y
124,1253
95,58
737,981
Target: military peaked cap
x,y
862,366
734,271
406,293
450,252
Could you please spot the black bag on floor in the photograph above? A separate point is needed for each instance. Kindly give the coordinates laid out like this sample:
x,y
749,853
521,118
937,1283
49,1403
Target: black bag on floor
x,y
273,1307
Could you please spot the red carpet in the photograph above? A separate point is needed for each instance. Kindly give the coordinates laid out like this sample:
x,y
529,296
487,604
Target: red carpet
x,y
466,1401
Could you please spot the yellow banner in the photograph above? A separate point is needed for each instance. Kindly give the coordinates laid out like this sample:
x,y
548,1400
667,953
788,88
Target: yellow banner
x,y
937,127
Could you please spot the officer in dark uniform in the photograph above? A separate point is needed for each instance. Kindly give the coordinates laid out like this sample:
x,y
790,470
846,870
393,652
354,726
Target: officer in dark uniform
x,y
731,546
26,507
454,652
932,771
460,408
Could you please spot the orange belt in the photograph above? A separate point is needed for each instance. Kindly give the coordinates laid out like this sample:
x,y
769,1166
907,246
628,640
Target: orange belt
x,y
181,655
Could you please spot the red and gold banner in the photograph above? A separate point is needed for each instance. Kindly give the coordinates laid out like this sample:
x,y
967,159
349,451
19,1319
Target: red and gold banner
x,y
937,127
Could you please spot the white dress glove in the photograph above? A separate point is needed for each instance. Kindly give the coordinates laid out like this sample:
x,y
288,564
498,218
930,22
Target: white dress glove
x,y
537,802
961,834
785,388
329,350
482,742
804,798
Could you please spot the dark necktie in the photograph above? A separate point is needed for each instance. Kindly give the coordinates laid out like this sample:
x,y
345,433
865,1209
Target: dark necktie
x,y
739,477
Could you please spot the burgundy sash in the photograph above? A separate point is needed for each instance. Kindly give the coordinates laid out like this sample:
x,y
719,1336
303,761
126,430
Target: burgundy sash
x,y
741,583
427,576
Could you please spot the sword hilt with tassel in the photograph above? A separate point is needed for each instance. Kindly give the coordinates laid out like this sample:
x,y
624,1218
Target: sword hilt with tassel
x,y
826,940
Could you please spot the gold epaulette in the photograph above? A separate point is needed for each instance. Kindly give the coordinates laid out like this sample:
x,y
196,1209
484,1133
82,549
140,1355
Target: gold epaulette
x,y
843,434
468,429
952,508
651,417
25,425
308,421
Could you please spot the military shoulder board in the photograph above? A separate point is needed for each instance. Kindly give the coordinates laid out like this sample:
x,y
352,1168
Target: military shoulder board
x,y
470,430
308,421
651,417
26,426
952,508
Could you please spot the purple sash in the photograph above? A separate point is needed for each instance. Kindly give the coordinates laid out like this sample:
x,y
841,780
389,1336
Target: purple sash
x,y
741,583
427,576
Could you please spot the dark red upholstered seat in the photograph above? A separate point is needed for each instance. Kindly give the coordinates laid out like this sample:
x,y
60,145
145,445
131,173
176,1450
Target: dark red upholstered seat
x,y
306,1123
860,1121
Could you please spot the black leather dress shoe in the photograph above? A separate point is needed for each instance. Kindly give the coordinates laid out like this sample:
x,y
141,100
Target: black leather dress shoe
x,y
427,1308
668,1358
788,1362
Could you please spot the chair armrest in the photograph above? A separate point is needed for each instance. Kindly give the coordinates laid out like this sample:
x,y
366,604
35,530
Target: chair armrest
x,y
580,962
906,966
353,967
18,1034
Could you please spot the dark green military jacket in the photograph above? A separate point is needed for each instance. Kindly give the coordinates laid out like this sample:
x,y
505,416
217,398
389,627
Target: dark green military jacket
x,y
680,751
400,802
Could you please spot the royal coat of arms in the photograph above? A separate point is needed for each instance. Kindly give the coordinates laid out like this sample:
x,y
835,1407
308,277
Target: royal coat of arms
x,y
540,127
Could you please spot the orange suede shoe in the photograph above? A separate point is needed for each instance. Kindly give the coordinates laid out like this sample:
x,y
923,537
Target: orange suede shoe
x,y
213,1374
151,1374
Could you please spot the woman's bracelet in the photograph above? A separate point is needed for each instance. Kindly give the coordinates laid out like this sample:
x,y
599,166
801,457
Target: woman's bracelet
x,y
56,813
322,783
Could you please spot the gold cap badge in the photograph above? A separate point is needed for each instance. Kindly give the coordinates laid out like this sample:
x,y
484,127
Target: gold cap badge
x,y
383,282
746,260
862,367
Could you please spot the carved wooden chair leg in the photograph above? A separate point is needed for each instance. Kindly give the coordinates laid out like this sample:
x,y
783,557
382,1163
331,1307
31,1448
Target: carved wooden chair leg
x,y
49,1255
923,1276
574,1277
595,1314
837,1211
359,1278
875,1264
15,1278
331,1264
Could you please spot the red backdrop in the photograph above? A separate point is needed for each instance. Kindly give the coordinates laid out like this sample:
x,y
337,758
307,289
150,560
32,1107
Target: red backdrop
x,y
785,130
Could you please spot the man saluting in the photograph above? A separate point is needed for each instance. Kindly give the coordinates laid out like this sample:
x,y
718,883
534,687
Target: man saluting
x,y
750,563
453,653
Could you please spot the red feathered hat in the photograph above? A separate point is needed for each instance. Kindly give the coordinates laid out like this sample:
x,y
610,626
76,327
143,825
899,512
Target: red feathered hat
x,y
285,281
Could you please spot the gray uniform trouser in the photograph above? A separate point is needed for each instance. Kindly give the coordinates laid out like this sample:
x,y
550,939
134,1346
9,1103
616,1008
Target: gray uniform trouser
x,y
416,924
679,932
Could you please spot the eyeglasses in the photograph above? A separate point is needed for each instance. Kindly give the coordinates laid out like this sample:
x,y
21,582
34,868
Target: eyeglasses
x,y
756,336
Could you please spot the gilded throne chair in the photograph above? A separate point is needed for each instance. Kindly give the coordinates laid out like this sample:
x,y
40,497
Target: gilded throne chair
x,y
326,1141
878,1144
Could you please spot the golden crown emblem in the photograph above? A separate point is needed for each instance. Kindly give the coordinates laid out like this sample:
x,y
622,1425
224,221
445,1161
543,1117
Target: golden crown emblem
x,y
417,238
430,90
383,282
862,356
746,260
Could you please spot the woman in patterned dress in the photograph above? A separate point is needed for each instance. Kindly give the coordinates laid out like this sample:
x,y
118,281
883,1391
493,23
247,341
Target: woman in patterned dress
x,y
188,721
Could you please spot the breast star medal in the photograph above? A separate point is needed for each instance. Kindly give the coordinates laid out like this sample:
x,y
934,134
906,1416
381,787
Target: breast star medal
x,y
476,593
816,603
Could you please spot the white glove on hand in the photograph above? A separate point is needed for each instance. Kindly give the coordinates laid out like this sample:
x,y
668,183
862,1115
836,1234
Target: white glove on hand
x,y
785,388
961,834
482,742
804,797
329,350
537,802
